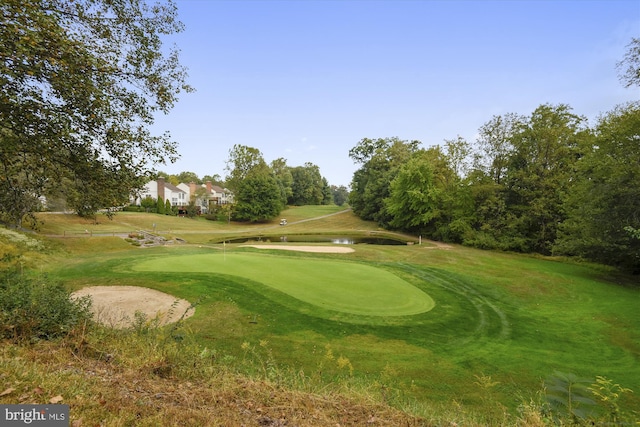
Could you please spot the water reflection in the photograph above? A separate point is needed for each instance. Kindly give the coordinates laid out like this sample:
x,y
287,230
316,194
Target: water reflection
x,y
339,240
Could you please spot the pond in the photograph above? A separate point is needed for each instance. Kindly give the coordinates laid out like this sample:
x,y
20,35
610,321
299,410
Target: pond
x,y
304,238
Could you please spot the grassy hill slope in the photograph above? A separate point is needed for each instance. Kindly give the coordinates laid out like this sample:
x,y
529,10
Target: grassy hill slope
x,y
503,324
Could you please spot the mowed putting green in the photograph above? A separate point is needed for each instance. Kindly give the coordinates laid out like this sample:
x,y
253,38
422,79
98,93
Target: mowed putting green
x,y
334,285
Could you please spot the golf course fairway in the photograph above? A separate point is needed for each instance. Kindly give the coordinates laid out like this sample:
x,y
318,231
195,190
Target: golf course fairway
x,y
334,285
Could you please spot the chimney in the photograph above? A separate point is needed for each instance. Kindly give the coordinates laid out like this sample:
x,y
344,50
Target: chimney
x,y
161,188
192,189
208,187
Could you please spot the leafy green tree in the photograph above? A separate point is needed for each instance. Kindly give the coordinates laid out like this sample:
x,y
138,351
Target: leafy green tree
x,y
520,174
86,198
257,194
283,176
413,203
192,209
546,149
148,203
160,208
629,67
307,186
495,145
215,179
423,195
242,160
603,206
168,208
19,189
458,154
80,84
486,182
381,160
257,197
340,194
188,177
327,194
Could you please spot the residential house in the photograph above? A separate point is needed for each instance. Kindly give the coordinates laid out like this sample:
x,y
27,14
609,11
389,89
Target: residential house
x,y
219,195
160,189
180,195
213,195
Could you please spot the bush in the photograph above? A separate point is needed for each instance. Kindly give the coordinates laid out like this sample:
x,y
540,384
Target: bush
x,y
133,208
36,308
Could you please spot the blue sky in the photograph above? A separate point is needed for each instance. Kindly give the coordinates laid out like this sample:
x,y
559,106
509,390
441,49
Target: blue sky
x,y
307,80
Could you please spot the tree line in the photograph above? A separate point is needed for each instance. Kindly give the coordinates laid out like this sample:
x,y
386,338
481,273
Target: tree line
x,y
545,183
262,190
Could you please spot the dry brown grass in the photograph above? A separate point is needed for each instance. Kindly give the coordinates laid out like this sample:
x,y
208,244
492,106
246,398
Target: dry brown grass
x,y
106,389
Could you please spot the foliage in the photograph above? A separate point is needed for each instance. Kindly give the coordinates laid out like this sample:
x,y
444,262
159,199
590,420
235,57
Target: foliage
x,y
307,187
569,396
160,205
258,193
257,197
188,177
381,160
605,197
37,308
629,67
148,203
414,200
494,146
80,83
340,195
607,395
284,178
242,160
16,250
543,183
546,147
327,194
192,209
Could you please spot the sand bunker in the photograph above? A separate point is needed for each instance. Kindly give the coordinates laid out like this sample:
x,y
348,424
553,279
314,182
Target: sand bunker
x,y
116,306
317,249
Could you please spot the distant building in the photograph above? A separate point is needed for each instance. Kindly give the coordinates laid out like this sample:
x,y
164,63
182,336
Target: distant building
x,y
180,195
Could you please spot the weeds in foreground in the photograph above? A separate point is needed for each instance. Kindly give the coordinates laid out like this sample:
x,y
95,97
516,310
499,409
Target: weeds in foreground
x,y
34,308
569,396
140,376
607,395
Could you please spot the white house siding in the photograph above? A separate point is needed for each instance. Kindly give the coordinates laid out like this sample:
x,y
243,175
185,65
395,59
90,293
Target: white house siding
x,y
179,195
175,195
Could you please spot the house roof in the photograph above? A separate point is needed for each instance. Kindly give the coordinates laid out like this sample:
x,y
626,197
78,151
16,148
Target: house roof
x,y
173,188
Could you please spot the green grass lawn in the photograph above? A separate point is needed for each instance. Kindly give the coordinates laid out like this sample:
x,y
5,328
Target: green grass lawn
x,y
516,319
333,285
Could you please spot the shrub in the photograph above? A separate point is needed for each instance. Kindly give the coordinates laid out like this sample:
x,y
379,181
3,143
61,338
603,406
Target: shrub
x,y
36,308
133,208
